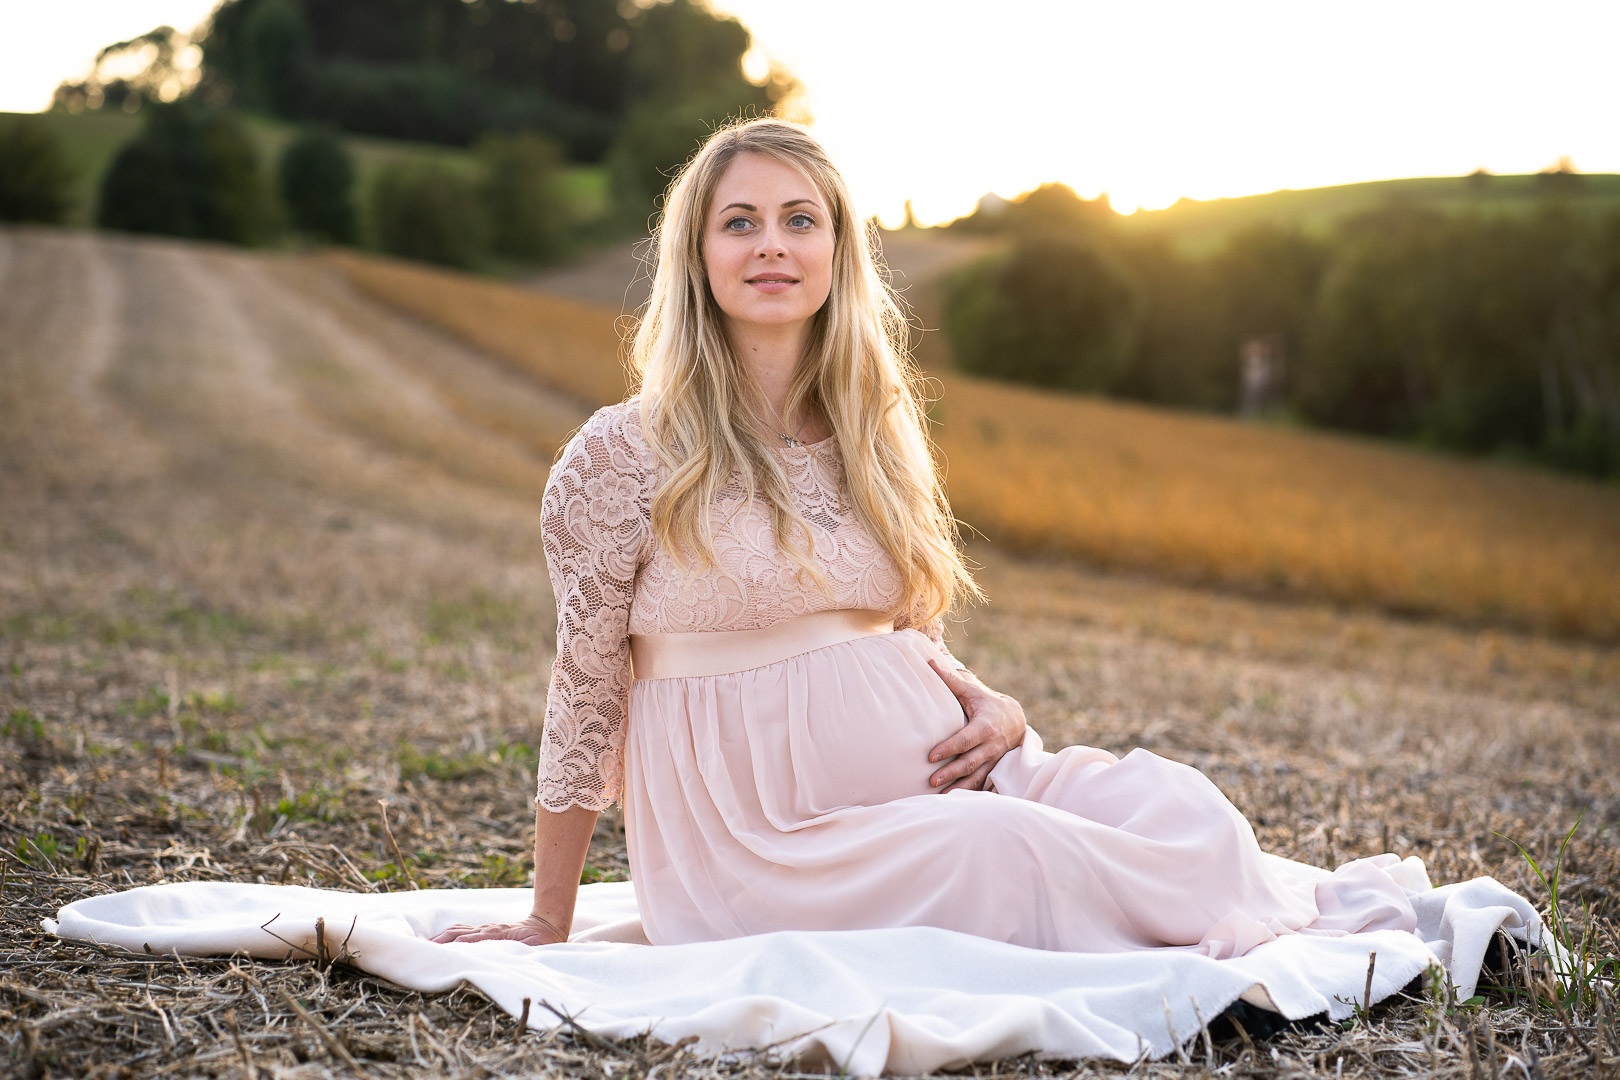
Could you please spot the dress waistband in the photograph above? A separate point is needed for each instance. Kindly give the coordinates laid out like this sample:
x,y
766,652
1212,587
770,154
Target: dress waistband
x,y
723,652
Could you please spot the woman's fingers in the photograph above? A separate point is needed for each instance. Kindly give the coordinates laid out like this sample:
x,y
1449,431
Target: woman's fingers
x,y
968,772
462,932
964,689
975,780
964,764
971,734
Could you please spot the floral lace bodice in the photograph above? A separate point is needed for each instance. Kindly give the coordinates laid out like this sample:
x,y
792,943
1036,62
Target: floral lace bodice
x,y
611,580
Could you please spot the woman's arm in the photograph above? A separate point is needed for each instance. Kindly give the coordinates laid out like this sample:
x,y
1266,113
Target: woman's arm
x,y
561,840
594,527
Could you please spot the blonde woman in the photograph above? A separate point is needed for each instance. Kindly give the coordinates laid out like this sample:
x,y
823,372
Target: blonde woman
x,y
751,560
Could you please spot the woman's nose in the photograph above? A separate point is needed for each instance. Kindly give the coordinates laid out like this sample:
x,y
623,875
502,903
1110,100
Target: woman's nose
x,y
770,245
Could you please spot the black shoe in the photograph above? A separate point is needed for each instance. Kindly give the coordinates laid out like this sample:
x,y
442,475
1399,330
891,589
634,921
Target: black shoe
x,y
1260,1023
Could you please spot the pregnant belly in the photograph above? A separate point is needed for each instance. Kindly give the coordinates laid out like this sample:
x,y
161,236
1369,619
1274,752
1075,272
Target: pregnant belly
x,y
868,722
845,725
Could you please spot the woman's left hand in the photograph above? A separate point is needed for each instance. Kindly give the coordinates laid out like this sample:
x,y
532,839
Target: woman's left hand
x,y
995,724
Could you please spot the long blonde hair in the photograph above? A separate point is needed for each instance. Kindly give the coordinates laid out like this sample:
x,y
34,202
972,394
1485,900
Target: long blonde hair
x,y
695,395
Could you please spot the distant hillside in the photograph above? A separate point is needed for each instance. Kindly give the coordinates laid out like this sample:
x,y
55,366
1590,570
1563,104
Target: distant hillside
x,y
1199,227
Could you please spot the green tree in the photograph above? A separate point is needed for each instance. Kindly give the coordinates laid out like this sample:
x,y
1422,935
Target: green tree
x,y
1182,356
522,196
276,57
454,70
36,181
127,73
191,172
1049,311
1366,362
317,187
428,212
655,142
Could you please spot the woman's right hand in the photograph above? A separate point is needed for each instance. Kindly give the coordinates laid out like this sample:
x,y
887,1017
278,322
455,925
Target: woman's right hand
x,y
532,930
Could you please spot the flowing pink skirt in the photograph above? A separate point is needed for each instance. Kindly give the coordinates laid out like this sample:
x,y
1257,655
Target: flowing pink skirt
x,y
794,796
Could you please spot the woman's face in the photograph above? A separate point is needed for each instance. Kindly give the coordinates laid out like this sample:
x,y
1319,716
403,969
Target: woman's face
x,y
767,244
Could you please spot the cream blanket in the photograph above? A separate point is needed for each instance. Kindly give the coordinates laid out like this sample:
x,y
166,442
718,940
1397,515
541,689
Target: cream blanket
x,y
910,1000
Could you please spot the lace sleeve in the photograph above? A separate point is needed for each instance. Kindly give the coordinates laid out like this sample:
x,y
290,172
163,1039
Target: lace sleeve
x,y
594,525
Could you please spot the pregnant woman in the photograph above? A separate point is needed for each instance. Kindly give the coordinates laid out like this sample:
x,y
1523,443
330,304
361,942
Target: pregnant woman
x,y
751,560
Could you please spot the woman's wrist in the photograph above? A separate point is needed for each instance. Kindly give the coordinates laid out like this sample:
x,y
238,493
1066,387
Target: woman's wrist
x,y
548,923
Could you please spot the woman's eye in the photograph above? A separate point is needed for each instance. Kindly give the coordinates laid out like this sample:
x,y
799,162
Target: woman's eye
x,y
801,221
737,224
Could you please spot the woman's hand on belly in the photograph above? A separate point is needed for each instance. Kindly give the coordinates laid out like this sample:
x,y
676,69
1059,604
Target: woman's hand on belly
x,y
995,724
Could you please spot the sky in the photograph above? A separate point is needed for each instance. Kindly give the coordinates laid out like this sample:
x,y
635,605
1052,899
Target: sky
x,y
940,101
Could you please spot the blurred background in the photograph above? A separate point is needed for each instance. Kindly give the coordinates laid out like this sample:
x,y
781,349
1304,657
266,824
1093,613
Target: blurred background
x,y
1385,221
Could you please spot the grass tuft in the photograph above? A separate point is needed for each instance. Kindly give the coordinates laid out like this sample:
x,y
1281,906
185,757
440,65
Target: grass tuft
x,y
1578,969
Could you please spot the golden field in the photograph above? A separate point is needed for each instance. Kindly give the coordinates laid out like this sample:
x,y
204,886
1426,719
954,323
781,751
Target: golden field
x,y
570,346
1197,498
1217,501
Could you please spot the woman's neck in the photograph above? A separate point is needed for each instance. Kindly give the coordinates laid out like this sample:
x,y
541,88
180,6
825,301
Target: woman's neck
x,y
771,355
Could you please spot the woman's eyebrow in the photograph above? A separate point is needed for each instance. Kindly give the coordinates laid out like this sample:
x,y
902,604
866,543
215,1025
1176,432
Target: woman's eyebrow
x,y
752,209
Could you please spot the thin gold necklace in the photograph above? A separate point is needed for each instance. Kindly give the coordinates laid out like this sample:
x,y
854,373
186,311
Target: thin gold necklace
x,y
794,441
790,440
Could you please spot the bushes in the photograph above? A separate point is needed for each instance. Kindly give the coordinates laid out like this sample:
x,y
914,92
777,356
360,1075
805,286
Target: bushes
x,y
35,179
521,195
195,173
512,206
190,173
1049,312
1479,334
317,187
657,139
428,212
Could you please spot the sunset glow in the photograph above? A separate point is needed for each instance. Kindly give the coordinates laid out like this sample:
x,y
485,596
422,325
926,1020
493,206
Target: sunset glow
x,y
940,101
1151,100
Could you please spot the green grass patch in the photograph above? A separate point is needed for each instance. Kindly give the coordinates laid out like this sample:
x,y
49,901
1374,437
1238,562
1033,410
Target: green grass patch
x,y
592,874
498,872
154,702
478,614
38,850
416,763
317,803
148,618
1575,968
22,724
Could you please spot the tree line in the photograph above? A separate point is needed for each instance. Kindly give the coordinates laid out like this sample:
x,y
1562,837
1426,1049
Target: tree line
x,y
529,87
1468,332
451,71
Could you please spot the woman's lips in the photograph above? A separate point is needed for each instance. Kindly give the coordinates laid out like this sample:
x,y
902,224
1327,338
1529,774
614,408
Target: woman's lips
x,y
772,284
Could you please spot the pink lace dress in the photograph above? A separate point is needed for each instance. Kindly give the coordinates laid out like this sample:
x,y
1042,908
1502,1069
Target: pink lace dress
x,y
794,794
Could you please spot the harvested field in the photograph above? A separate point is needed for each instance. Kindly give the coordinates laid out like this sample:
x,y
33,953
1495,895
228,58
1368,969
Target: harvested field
x,y
269,571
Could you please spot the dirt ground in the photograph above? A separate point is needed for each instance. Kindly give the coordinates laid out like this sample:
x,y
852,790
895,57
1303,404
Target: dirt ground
x,y
263,587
